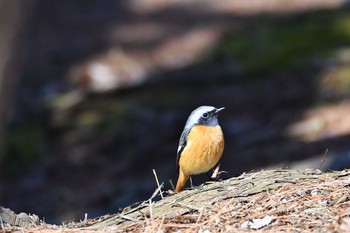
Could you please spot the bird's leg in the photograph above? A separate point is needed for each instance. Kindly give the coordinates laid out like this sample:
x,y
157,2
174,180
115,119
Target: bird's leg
x,y
192,186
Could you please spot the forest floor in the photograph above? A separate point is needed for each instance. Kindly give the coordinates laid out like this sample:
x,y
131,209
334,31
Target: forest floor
x,y
281,69
264,201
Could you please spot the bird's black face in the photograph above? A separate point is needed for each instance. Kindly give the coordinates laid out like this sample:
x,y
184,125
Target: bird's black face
x,y
210,118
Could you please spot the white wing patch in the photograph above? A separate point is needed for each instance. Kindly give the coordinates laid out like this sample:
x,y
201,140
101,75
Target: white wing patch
x,y
178,149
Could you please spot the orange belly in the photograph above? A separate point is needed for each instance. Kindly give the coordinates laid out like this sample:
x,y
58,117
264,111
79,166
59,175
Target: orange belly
x,y
205,145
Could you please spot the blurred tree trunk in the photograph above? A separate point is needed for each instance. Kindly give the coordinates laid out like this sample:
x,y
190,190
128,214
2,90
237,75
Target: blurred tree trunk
x,y
14,15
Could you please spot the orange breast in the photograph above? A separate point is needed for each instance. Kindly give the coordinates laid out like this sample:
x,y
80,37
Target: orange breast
x,y
205,145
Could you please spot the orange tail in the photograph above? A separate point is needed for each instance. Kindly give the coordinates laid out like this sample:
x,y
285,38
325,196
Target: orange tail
x,y
181,182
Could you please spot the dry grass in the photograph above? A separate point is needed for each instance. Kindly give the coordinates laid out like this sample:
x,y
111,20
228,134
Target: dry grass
x,y
290,201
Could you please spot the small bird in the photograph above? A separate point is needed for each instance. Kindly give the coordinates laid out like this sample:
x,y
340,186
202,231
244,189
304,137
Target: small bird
x,y
201,144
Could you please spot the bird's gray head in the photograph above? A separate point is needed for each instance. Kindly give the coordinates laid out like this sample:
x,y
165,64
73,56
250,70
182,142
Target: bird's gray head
x,y
204,115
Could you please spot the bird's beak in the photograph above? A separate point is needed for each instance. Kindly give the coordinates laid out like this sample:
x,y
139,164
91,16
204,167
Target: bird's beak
x,y
219,110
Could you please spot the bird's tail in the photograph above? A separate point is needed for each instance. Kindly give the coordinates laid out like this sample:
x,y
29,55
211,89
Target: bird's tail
x,y
181,182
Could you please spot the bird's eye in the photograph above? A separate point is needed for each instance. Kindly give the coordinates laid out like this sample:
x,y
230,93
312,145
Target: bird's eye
x,y
205,115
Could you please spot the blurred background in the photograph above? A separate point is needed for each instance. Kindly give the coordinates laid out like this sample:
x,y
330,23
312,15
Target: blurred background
x,y
95,94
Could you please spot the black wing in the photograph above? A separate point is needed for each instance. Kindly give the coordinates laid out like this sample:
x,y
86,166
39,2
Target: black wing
x,y
182,145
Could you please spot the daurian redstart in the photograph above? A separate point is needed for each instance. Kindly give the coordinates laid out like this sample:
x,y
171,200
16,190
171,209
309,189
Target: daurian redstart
x,y
201,144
